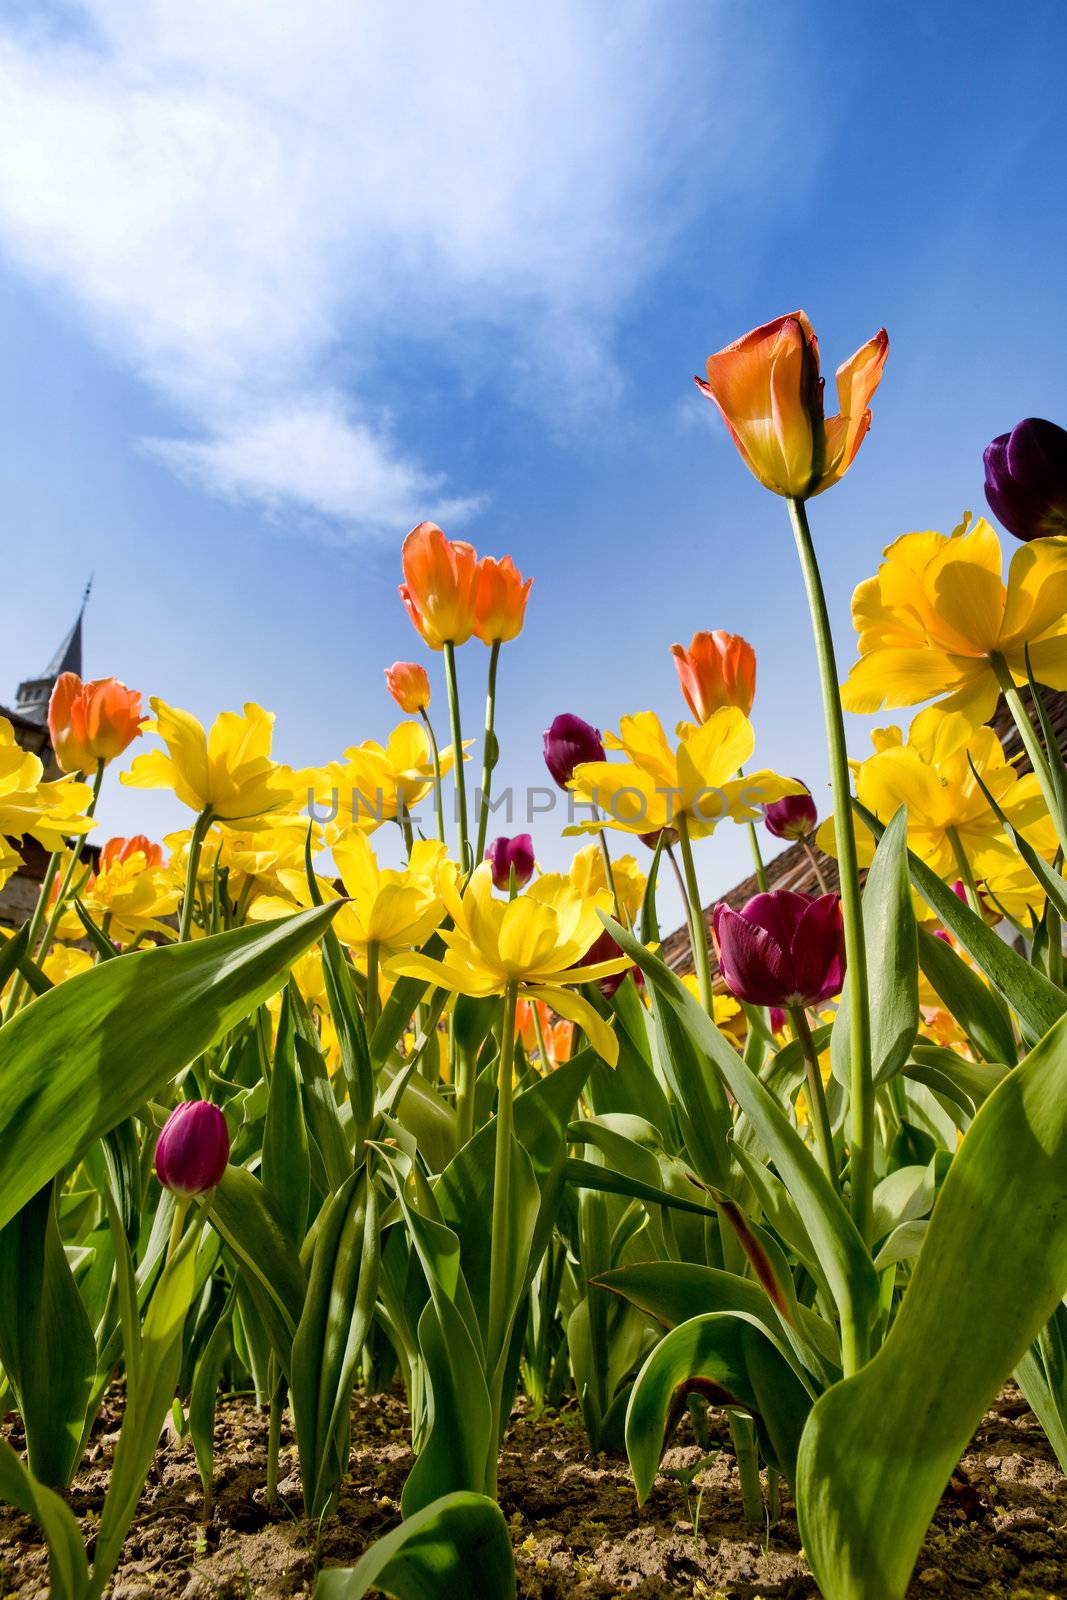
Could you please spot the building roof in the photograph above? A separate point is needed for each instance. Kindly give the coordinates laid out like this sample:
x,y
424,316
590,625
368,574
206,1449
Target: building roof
x,y
794,869
32,695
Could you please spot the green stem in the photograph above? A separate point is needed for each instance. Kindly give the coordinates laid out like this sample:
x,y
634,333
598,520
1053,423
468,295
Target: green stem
x,y
609,872
540,1032
372,987
697,926
963,867
500,1266
196,842
439,802
743,1439
862,1096
68,876
1031,744
489,753
457,756
820,1115
757,857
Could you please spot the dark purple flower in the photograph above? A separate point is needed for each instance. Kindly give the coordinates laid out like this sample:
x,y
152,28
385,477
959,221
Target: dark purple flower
x,y
668,835
1026,479
193,1149
511,855
569,742
794,817
604,948
782,949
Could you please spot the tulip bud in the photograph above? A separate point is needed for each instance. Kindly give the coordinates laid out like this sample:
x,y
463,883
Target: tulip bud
x,y
91,722
651,840
193,1149
568,743
440,585
409,686
1026,479
792,818
122,849
718,669
782,949
511,855
501,600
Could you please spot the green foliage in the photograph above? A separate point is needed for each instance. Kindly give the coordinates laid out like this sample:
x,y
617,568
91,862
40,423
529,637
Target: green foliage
x,y
452,1549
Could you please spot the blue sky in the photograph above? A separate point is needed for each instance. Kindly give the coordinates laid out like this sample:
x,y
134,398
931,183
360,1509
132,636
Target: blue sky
x,y
277,282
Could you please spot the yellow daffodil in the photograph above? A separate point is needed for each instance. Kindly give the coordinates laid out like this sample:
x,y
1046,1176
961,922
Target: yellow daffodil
x,y
395,910
726,1011
533,943
696,779
47,812
10,861
228,771
948,815
65,961
376,783
937,620
589,876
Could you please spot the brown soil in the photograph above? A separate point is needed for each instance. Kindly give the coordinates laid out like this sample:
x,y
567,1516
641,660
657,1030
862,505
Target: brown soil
x,y
1000,1531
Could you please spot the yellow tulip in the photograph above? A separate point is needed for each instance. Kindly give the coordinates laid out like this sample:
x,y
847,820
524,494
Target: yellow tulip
x,y
48,812
533,942
129,897
376,783
696,779
948,814
937,614
10,861
228,771
395,910
589,876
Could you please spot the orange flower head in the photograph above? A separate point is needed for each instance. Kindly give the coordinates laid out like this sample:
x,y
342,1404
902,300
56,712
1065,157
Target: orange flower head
x,y
91,722
409,686
122,849
768,389
501,600
718,669
440,585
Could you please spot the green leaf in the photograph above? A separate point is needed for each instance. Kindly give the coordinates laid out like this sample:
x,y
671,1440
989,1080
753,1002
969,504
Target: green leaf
x,y
68,1568
978,1009
842,1255
459,1429
1037,1002
46,1342
879,1447
286,1169
730,1359
333,1328
456,1548
892,962
245,1219
88,1053
203,1397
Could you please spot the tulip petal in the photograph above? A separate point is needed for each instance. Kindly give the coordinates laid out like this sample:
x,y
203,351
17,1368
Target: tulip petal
x,y
577,1009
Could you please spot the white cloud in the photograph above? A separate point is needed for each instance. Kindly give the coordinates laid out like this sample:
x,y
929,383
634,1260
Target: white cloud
x,y
239,194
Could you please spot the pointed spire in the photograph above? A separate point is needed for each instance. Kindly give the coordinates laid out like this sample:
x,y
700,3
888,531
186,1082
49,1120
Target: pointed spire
x,y
31,700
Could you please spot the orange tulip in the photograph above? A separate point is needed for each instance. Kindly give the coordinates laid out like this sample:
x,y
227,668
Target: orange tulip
x,y
440,587
768,389
718,669
91,722
409,686
501,600
123,849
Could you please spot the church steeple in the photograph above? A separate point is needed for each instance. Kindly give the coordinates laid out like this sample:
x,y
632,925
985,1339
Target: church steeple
x,y
31,700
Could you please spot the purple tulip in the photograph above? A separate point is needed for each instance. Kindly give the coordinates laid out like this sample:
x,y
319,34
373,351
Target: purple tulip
x,y
782,949
604,948
569,742
794,817
511,855
1026,479
193,1149
668,835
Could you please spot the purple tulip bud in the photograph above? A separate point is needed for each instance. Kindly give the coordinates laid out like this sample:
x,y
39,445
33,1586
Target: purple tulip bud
x,y
793,817
668,835
777,1016
511,855
782,949
193,1149
1026,479
569,742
